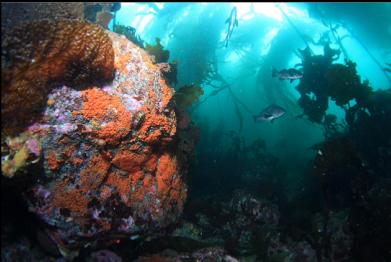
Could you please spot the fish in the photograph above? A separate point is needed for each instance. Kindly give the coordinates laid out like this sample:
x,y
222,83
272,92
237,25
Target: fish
x,y
270,113
232,23
291,74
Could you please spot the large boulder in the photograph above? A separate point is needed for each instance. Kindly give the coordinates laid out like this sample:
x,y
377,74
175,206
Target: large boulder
x,y
88,117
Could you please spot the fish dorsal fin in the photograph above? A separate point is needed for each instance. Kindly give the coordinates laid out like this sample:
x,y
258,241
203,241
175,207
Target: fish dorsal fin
x,y
291,80
271,121
227,21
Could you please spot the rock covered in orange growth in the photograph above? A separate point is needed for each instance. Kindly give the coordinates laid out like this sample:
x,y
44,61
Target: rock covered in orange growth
x,y
53,162
169,183
155,127
151,163
129,161
110,164
100,106
40,55
76,200
166,170
92,177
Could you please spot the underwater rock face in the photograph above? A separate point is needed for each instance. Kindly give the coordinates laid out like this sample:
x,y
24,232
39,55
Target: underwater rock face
x,y
249,215
209,254
109,167
105,255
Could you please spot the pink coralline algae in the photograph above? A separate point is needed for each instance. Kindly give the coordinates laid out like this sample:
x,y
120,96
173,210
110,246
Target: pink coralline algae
x,y
34,146
130,103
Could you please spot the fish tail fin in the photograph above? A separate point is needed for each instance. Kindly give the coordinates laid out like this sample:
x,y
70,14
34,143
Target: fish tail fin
x,y
274,72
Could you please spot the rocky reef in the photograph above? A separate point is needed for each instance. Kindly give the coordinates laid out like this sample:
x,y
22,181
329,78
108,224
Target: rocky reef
x,y
87,117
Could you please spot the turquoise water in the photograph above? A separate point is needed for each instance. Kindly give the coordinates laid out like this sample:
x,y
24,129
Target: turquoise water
x,y
263,39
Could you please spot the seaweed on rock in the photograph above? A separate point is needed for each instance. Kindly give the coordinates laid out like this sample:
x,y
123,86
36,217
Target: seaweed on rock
x,y
158,52
130,33
323,79
188,95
